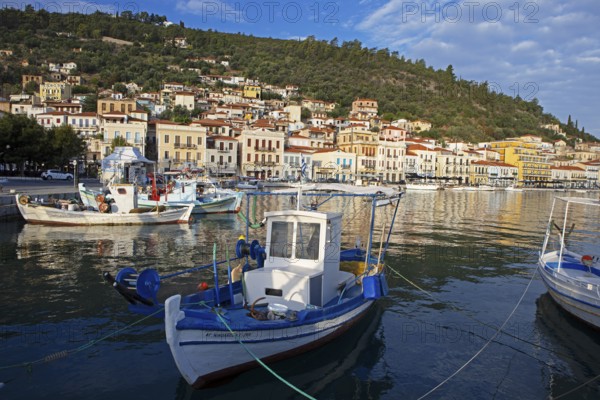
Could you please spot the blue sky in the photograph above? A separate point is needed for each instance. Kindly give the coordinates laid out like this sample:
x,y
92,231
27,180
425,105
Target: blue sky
x,y
548,49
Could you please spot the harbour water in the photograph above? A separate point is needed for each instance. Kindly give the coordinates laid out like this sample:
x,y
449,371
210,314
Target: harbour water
x,y
461,261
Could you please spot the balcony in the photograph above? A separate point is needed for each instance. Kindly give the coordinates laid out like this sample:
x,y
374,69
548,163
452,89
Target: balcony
x,y
223,151
266,149
185,146
265,163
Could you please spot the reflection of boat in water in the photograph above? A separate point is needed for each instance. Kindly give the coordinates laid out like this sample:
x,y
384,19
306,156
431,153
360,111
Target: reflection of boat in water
x,y
572,279
103,240
573,343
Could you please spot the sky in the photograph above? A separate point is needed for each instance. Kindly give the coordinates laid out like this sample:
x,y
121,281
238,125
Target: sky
x,y
544,49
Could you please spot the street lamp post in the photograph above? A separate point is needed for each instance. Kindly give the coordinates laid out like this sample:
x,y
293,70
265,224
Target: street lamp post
x,y
75,174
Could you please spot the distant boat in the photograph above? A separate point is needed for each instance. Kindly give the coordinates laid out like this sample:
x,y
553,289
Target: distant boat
x,y
249,184
423,186
123,210
480,188
513,188
573,278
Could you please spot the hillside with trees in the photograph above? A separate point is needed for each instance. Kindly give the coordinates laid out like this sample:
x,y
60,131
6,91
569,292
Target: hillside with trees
x,y
324,70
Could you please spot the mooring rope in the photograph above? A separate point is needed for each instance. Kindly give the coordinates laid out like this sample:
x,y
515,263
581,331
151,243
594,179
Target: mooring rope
x,y
64,353
262,364
487,343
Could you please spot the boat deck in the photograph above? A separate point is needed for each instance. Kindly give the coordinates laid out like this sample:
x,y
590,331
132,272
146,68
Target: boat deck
x,y
575,269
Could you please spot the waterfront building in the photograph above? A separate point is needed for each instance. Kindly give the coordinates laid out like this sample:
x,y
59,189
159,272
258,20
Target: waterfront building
x,y
221,155
364,143
262,151
390,154
118,124
180,146
492,173
592,173
533,165
334,164
293,157
569,176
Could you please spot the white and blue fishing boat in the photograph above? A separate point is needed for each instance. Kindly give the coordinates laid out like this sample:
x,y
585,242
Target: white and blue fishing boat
x,y
571,271
295,291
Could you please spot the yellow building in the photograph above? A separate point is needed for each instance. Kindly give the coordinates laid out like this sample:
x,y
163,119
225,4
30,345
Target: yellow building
x,y
55,91
180,146
533,165
359,140
252,91
262,152
109,105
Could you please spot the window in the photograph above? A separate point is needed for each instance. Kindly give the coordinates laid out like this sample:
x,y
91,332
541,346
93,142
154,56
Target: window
x,y
307,241
166,139
281,239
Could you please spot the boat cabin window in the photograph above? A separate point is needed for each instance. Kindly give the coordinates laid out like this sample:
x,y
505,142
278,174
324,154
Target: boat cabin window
x,y
281,239
305,243
121,191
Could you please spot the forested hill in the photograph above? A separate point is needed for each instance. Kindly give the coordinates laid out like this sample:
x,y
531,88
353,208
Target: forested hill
x,y
330,71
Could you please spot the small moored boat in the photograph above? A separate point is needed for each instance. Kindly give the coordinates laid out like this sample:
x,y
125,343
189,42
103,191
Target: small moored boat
x,y
572,275
296,292
122,210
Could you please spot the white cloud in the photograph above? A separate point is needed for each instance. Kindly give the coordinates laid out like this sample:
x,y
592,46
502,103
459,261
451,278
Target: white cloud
x,y
525,45
553,44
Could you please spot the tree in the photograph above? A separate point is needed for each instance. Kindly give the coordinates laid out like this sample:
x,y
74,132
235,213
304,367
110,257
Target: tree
x,y
119,141
120,88
90,103
31,87
305,114
66,144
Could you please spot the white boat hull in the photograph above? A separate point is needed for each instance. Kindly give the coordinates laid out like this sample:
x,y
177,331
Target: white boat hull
x,y
428,187
35,213
229,204
205,356
578,293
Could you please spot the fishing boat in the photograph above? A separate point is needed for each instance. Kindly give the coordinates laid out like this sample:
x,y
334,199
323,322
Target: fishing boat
x,y
204,196
571,272
123,209
268,302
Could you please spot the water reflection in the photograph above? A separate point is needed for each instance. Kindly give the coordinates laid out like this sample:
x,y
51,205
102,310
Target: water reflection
x,y
577,346
476,250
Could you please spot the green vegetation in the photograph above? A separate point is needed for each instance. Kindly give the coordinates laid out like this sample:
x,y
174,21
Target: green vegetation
x,y
323,70
28,145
